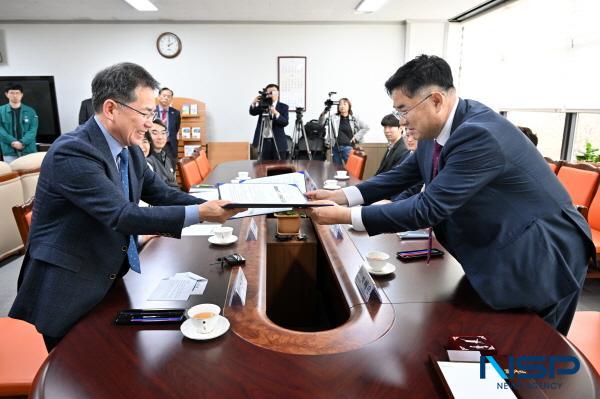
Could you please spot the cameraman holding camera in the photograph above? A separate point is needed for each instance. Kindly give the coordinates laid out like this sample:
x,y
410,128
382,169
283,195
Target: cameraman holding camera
x,y
349,129
268,101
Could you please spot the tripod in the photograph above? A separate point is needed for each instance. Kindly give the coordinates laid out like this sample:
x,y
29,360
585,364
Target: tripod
x,y
332,137
299,129
266,133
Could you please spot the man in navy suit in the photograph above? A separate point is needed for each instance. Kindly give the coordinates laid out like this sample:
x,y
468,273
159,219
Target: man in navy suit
x,y
278,112
85,214
492,200
171,118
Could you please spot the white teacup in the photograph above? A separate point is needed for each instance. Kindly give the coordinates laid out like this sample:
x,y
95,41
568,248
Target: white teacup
x,y
242,175
342,174
330,183
204,317
377,260
223,233
235,181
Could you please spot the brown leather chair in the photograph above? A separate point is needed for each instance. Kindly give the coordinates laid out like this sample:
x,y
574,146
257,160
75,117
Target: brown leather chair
x,y
203,164
189,172
23,352
22,215
356,164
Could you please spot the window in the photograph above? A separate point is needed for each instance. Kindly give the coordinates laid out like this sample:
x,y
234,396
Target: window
x,y
587,129
548,126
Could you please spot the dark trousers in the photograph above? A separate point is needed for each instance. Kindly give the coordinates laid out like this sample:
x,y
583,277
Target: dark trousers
x,y
269,152
51,342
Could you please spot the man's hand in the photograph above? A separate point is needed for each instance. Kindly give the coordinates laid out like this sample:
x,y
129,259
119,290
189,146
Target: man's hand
x,y
330,214
256,100
212,211
336,196
17,145
274,112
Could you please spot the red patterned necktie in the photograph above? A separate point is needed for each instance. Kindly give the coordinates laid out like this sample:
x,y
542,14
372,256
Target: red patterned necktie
x,y
437,149
163,115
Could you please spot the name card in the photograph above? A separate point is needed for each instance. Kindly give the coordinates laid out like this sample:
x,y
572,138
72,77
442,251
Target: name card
x,y
252,234
239,288
337,231
366,286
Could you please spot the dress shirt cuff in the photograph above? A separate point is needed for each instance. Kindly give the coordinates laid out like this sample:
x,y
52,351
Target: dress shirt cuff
x,y
356,214
192,216
353,196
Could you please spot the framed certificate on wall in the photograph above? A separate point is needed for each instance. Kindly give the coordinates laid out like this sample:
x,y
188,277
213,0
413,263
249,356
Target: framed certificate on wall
x,y
291,77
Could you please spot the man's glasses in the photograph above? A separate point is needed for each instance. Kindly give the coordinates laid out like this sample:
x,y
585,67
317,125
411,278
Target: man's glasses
x,y
159,133
401,115
147,115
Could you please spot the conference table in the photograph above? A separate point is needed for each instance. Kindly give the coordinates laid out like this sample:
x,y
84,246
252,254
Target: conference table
x,y
304,330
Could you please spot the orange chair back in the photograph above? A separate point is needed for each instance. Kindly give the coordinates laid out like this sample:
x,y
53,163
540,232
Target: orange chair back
x,y
580,181
356,164
22,214
594,211
203,164
584,333
22,351
189,172
554,165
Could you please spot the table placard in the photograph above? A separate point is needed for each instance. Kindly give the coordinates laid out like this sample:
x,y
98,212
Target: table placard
x,y
366,286
337,231
252,234
239,288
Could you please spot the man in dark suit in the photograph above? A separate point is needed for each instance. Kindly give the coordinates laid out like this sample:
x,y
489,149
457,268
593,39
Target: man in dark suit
x,y
397,150
85,214
171,118
86,111
492,200
278,112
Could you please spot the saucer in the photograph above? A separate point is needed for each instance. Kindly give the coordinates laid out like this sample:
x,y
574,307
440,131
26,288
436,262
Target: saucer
x,y
336,177
336,187
190,332
387,269
216,241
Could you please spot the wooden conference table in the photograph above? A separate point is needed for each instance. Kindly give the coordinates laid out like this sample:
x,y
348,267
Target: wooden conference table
x,y
304,332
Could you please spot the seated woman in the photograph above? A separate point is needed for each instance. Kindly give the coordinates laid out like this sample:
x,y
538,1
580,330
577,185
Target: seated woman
x,y
160,162
349,129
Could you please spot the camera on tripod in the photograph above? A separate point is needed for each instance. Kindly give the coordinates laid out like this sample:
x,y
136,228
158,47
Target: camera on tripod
x,y
299,112
329,102
265,100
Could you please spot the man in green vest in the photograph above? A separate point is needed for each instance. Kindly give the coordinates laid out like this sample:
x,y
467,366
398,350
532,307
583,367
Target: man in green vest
x,y
18,125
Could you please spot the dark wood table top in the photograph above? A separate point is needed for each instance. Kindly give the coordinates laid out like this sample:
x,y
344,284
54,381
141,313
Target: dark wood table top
x,y
383,350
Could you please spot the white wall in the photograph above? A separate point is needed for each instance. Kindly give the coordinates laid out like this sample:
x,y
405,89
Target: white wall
x,y
221,64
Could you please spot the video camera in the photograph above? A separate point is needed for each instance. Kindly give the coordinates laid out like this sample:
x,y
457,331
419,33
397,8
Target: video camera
x,y
329,102
265,101
299,111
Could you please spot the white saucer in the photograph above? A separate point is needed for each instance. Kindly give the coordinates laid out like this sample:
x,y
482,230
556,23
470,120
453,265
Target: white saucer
x,y
216,241
190,331
336,187
387,269
336,177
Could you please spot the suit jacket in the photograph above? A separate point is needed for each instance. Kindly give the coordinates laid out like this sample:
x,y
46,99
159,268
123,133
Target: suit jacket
x,y
81,226
173,125
495,205
396,154
86,110
278,126
166,171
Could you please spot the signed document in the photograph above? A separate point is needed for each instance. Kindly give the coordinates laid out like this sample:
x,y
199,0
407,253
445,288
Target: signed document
x,y
274,195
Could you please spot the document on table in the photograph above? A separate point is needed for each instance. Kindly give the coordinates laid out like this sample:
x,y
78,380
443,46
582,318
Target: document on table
x,y
297,178
200,229
179,287
464,382
207,194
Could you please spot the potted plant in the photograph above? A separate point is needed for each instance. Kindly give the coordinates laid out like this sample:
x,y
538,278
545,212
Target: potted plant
x,y
590,154
288,222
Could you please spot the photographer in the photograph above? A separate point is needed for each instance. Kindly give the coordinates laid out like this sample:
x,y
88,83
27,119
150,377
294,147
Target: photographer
x,y
278,112
349,129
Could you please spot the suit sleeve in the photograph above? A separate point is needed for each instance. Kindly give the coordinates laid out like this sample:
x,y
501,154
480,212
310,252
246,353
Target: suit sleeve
x,y
363,128
254,110
177,125
472,161
82,179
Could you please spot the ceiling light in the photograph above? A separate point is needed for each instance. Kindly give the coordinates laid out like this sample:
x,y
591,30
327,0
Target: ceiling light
x,y
142,5
369,6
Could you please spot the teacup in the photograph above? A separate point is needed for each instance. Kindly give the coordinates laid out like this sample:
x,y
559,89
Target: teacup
x,y
242,175
235,181
330,183
341,174
377,260
204,317
223,233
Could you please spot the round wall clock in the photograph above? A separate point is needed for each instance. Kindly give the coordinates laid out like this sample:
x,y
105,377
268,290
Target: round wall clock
x,y
168,45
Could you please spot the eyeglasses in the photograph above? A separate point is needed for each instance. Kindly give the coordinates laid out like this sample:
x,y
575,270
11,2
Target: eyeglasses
x,y
148,116
159,133
400,115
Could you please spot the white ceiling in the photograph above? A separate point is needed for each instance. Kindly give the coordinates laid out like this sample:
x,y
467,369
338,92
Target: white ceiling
x,y
230,10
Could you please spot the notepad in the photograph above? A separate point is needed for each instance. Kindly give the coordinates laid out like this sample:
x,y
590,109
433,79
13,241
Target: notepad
x,y
463,381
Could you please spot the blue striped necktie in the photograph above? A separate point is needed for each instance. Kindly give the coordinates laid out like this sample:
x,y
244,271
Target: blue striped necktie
x,y
132,253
